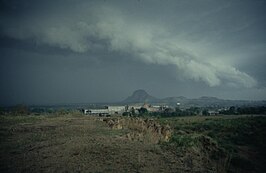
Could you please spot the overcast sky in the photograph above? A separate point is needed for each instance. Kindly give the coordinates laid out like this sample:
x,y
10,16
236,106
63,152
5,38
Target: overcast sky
x,y
74,51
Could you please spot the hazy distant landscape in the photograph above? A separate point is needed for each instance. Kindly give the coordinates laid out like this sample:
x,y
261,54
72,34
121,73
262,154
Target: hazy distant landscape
x,y
146,138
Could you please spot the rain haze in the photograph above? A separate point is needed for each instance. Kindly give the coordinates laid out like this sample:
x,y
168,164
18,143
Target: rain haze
x,y
74,51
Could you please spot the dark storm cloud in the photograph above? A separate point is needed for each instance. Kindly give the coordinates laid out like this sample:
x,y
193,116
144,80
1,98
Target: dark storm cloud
x,y
206,44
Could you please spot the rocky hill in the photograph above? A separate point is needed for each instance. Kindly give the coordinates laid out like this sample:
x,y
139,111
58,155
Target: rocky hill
x,y
141,96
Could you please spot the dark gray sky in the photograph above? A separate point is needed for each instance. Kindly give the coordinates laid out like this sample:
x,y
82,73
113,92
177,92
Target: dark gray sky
x,y
73,51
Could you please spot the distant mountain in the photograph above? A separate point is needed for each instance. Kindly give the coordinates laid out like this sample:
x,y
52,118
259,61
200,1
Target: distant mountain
x,y
140,96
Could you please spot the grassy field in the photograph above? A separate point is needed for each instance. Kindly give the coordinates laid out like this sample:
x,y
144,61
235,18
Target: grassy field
x,y
76,143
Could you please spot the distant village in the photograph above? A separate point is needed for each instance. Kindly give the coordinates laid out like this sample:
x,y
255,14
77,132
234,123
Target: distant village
x,y
146,108
141,103
127,109
167,110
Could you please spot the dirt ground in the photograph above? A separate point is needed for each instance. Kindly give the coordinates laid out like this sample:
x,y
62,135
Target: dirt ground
x,y
80,144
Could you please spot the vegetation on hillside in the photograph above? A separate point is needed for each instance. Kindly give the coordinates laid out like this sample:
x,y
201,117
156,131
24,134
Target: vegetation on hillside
x,y
232,144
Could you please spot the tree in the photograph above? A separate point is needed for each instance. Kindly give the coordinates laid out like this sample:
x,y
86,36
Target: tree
x,y
232,110
143,111
205,112
133,111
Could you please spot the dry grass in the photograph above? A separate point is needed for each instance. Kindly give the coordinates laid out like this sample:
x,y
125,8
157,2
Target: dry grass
x,y
145,130
75,143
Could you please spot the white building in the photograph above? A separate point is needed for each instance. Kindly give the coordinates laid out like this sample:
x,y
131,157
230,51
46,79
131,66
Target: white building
x,y
96,111
106,110
116,109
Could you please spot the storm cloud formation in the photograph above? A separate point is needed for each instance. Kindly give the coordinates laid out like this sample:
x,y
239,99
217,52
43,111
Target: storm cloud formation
x,y
203,41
